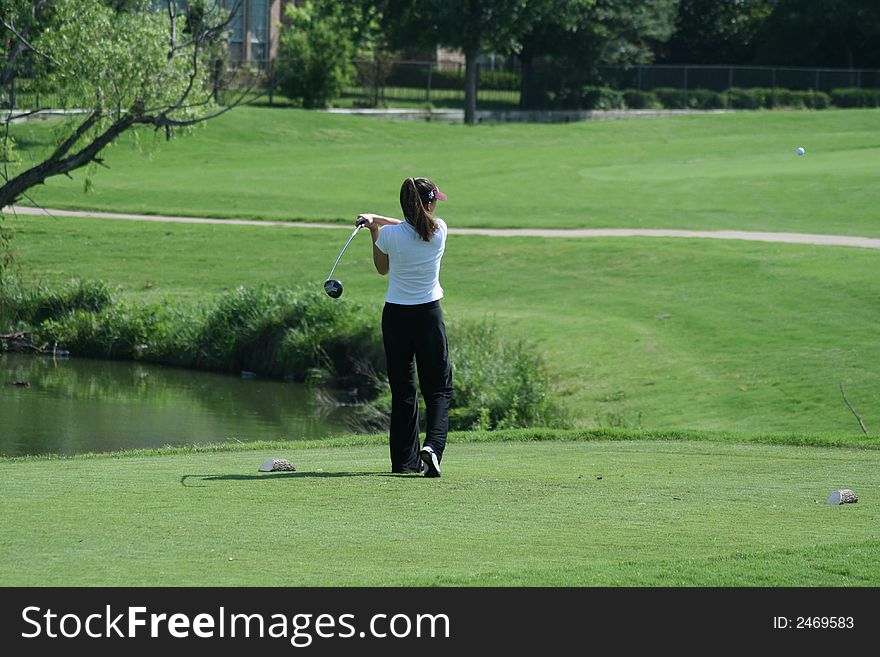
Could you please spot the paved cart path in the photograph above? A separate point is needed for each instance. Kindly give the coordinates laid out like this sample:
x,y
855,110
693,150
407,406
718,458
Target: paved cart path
x,y
752,236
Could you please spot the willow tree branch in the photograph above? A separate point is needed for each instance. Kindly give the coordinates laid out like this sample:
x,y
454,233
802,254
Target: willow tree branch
x,y
83,128
88,140
23,40
62,162
11,119
194,74
211,32
162,119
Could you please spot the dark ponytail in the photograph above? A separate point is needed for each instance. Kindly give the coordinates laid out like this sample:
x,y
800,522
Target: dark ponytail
x,y
415,194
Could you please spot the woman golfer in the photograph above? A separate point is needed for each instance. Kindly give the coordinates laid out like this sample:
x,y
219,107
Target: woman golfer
x,y
412,324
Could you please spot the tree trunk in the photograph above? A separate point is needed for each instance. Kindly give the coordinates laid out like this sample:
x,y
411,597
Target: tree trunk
x,y
470,86
850,60
525,79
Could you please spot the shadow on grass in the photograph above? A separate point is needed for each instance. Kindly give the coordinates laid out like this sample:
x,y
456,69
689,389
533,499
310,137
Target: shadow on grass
x,y
272,476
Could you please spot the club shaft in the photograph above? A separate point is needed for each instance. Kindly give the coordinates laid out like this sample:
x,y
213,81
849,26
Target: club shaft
x,y
343,251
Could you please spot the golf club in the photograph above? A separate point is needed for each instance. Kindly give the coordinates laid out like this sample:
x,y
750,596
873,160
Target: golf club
x,y
332,286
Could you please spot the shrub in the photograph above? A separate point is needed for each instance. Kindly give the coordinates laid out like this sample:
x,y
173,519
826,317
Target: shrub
x,y
689,98
818,100
497,383
276,332
641,99
499,80
314,58
737,98
565,98
289,333
787,98
589,98
120,331
852,97
36,305
706,99
601,98
440,78
302,335
671,98
752,99
796,99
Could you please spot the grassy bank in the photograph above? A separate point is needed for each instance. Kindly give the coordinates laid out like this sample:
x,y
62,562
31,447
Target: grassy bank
x,y
649,333
537,508
735,171
292,334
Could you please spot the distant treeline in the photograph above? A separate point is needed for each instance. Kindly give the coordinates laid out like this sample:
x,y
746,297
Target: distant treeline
x,y
558,45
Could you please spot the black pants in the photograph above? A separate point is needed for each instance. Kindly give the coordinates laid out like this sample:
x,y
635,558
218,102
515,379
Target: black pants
x,y
416,332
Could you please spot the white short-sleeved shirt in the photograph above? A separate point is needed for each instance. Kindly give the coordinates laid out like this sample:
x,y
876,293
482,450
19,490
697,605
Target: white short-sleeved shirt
x,y
414,264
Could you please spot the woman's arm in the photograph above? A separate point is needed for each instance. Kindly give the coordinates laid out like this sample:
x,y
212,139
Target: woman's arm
x,y
374,222
367,219
380,260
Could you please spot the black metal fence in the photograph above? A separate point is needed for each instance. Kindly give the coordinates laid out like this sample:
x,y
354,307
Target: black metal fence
x,y
439,84
722,78
379,83
26,93
442,83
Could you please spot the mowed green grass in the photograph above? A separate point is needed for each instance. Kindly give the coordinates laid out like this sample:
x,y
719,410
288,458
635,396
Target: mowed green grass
x,y
563,513
661,334
730,171
638,332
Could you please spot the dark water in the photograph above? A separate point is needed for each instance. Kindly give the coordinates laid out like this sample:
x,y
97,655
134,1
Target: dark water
x,y
78,405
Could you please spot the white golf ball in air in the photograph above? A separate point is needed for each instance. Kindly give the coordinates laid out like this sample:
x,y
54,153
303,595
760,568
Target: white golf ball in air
x,y
800,150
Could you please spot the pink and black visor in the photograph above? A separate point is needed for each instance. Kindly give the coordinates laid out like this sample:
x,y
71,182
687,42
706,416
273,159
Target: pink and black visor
x,y
436,194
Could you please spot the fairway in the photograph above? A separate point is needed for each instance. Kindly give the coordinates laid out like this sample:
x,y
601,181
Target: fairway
x,y
736,171
560,513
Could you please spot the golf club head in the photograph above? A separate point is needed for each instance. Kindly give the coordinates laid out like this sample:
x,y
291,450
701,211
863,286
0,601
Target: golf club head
x,y
333,288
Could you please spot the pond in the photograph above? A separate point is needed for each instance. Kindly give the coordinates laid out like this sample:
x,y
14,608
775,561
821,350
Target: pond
x,y
71,406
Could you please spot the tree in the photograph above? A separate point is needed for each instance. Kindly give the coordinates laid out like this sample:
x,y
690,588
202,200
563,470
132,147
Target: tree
x,y
315,53
475,26
713,32
626,32
118,69
543,26
839,33
575,38
366,22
